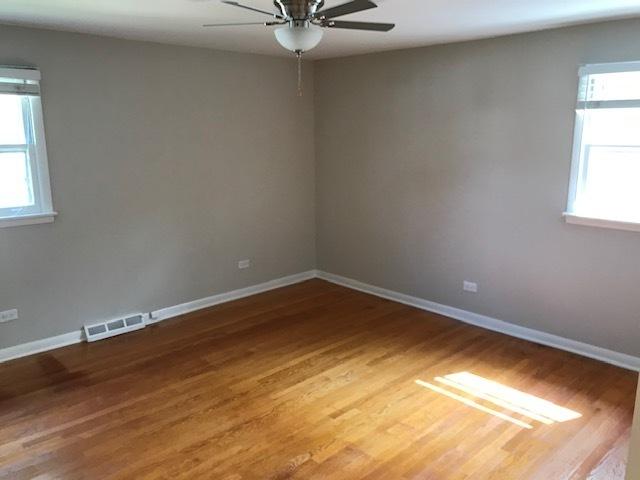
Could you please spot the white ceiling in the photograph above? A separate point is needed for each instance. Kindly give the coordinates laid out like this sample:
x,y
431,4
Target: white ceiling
x,y
419,22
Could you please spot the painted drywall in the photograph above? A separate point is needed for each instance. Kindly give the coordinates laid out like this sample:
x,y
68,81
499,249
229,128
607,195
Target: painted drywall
x,y
168,165
434,165
451,163
633,467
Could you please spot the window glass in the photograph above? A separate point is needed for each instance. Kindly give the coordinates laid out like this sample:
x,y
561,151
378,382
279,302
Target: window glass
x,y
15,180
11,120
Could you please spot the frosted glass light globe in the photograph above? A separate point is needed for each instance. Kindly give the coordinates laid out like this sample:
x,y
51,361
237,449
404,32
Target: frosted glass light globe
x,y
299,38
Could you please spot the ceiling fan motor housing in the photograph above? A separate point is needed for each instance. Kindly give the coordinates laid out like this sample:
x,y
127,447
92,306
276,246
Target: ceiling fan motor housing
x,y
298,9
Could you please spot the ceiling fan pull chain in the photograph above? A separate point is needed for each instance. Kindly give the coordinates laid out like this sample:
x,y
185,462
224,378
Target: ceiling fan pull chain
x,y
299,55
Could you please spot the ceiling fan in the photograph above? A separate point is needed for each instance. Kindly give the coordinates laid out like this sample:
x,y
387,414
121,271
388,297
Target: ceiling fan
x,y
304,21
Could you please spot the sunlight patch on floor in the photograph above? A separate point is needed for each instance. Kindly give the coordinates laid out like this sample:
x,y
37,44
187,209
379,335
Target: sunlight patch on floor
x,y
518,402
473,404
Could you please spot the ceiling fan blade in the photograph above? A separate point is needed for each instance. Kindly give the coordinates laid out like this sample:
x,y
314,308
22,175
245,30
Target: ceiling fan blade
x,y
266,12
376,27
244,23
345,9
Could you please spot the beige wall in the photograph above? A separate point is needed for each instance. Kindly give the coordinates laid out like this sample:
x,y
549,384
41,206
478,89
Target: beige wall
x,y
451,163
168,165
633,468
434,165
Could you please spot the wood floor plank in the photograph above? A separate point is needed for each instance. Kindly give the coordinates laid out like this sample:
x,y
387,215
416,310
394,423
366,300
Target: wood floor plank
x,y
308,381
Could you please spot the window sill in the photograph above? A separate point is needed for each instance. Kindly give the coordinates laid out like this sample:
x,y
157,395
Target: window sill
x,y
601,222
32,219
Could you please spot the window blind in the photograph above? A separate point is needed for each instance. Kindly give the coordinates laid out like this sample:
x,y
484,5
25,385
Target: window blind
x,y
615,85
19,81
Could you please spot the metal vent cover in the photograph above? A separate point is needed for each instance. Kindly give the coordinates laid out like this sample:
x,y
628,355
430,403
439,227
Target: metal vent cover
x,y
114,327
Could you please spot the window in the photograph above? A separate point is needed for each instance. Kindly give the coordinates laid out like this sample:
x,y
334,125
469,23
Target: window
x,y
25,194
605,177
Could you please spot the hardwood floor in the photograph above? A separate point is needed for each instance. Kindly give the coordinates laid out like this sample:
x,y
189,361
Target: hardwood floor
x,y
312,381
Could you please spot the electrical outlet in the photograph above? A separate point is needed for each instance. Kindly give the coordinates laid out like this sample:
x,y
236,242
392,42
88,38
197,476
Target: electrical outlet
x,y
242,264
470,287
8,315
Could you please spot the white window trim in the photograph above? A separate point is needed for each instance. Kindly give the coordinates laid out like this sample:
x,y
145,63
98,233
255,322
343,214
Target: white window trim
x,y
570,216
601,222
46,213
32,219
20,73
615,67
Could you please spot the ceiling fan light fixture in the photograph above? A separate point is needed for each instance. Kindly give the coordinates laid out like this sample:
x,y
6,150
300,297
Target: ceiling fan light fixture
x,y
299,37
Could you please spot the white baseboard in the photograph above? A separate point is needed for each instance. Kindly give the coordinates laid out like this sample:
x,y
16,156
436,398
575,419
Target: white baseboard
x,y
39,346
598,353
615,358
177,310
70,338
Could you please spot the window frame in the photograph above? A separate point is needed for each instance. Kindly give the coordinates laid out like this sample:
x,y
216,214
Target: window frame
x,y
36,151
577,161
